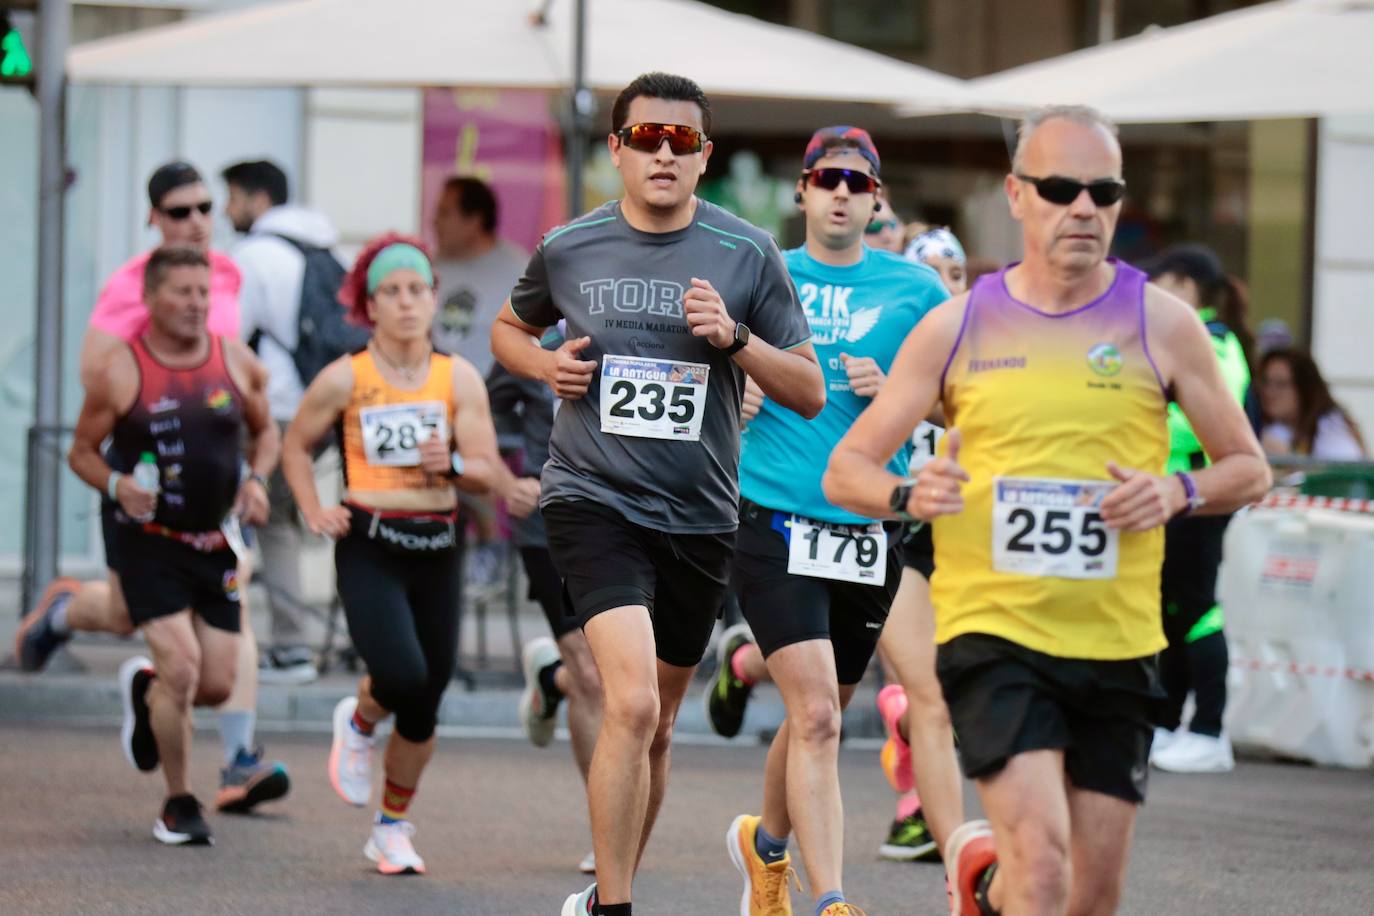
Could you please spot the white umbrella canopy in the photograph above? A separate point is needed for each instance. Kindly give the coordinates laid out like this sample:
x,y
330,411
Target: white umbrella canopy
x,y
1288,59
380,43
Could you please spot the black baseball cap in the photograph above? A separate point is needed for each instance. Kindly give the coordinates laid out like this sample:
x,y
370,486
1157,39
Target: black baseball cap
x,y
169,177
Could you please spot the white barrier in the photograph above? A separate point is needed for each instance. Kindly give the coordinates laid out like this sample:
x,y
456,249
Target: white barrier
x,y
1297,587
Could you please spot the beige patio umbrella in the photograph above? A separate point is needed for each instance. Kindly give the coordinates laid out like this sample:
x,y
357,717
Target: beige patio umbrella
x,y
1288,59
379,43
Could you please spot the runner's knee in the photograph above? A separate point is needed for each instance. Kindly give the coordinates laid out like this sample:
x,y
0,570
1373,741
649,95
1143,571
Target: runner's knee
x,y
634,709
180,678
816,720
1041,857
213,690
584,682
417,724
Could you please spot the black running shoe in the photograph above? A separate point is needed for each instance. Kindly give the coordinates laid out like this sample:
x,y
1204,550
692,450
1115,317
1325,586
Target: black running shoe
x,y
910,840
36,640
136,735
182,823
728,696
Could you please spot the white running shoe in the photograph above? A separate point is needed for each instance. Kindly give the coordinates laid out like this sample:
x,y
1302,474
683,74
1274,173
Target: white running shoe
x,y
1193,753
538,711
1163,738
579,904
350,757
588,864
390,847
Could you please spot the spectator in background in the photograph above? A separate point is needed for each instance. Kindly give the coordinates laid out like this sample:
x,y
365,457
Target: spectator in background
x,y
272,257
475,270
1273,334
885,231
1196,660
1298,414
939,248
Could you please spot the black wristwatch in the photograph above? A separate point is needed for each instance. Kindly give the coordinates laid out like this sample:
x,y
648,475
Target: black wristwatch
x,y
897,502
741,339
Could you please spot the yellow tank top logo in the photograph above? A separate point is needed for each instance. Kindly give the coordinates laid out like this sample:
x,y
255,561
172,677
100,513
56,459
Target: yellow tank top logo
x,y
1105,359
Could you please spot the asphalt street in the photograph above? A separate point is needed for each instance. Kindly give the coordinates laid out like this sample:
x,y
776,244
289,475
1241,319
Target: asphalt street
x,y
502,825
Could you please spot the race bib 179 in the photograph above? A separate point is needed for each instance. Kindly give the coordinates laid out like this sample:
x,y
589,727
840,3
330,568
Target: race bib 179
x,y
850,553
392,433
1045,527
653,398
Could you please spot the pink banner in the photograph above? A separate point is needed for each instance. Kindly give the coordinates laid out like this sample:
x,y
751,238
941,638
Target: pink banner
x,y
510,140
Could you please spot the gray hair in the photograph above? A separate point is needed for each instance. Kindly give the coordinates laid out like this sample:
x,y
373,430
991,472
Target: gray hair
x,y
1079,114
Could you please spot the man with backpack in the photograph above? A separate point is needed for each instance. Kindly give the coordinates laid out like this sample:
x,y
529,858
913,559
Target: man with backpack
x,y
291,318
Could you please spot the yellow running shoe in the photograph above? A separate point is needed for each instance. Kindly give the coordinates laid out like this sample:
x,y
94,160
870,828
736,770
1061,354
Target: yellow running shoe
x,y
765,883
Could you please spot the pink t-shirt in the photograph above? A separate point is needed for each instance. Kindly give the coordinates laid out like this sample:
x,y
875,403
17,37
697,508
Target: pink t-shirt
x,y
120,310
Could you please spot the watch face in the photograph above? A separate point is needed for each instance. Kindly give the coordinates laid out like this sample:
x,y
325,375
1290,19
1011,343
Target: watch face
x,y
741,332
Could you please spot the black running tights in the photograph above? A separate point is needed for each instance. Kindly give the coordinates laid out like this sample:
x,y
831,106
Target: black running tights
x,y
402,611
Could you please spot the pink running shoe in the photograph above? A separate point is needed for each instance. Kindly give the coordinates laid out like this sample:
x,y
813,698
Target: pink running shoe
x,y
896,753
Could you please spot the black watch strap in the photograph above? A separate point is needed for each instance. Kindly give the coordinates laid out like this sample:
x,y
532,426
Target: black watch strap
x,y
901,495
742,335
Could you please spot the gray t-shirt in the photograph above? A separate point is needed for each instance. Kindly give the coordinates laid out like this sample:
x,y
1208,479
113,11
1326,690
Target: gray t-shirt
x,y
471,293
623,288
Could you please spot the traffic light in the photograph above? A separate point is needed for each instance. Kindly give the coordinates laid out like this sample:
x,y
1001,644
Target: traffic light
x,y
16,67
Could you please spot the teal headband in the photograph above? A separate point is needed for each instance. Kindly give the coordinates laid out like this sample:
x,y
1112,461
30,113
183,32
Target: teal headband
x,y
399,256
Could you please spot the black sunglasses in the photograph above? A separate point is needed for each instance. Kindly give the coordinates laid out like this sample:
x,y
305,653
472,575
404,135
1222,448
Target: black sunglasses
x,y
1063,191
181,213
648,137
857,182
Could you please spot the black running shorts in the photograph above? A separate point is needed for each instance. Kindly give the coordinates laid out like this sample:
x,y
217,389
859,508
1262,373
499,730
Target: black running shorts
x,y
546,587
783,608
607,561
161,576
1005,699
919,551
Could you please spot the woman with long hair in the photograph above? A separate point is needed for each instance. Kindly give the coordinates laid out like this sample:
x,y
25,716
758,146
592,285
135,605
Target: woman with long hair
x,y
415,426
1299,416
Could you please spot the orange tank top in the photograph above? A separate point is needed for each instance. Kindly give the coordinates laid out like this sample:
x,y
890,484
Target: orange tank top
x,y
383,427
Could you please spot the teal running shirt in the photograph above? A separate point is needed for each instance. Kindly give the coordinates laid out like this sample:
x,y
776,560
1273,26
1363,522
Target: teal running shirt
x,y
865,309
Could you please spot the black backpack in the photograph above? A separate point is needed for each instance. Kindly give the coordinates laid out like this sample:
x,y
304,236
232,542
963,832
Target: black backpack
x,y
323,334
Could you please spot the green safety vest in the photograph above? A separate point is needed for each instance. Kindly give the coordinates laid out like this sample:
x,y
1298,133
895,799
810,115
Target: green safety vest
x,y
1185,451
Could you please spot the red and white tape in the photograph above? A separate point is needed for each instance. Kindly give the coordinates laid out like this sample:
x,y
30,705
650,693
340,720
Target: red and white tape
x,y
1284,501
1353,674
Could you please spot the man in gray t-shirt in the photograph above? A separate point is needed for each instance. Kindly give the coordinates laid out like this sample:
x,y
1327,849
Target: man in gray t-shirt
x,y
674,466
474,270
668,301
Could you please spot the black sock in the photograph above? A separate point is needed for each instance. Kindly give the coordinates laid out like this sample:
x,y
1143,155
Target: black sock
x,y
981,893
613,909
546,682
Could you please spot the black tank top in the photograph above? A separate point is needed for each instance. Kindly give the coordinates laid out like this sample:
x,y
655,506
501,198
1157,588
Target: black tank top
x,y
191,420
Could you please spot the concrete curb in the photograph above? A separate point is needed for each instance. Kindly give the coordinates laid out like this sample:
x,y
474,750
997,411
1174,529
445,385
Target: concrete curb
x,y
84,699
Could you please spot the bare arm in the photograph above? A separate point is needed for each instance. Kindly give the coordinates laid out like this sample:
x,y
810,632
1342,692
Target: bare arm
x,y
264,439
515,345
857,478
792,378
1239,473
97,349
110,391
320,408
474,434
